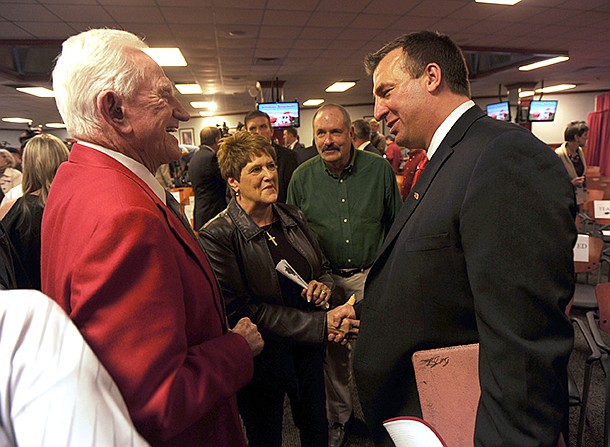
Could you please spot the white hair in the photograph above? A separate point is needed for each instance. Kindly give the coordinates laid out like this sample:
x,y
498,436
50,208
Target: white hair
x,y
91,62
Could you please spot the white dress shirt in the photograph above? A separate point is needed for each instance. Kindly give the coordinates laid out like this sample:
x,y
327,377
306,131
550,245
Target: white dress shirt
x,y
446,126
53,389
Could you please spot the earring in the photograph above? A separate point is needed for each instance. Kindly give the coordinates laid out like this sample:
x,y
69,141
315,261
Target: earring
x,y
237,193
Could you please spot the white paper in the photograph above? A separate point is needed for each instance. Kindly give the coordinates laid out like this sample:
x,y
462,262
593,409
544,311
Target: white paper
x,y
601,209
581,248
286,269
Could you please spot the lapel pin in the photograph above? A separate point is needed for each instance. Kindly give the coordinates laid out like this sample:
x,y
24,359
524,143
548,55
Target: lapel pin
x,y
416,195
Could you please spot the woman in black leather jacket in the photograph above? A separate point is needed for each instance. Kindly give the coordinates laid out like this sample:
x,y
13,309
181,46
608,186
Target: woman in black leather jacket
x,y
244,243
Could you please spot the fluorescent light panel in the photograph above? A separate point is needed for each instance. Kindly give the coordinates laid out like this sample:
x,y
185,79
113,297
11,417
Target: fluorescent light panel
x,y
17,120
499,2
340,86
166,57
313,102
200,104
549,89
544,63
189,89
41,92
555,88
206,114
56,125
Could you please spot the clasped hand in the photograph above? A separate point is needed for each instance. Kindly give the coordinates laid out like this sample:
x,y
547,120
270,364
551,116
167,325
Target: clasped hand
x,y
342,324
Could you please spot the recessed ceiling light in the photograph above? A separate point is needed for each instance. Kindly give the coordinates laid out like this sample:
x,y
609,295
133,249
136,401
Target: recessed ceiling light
x,y
56,125
499,2
555,88
166,57
17,120
544,63
340,86
189,89
41,92
313,102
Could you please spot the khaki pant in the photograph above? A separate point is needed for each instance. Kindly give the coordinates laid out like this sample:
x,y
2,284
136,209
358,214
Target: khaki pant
x,y
338,373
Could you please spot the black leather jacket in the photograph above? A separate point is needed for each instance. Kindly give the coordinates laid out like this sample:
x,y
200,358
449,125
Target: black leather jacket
x,y
241,259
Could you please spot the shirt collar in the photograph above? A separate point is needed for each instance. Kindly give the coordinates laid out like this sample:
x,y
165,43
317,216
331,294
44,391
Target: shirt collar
x,y
136,167
363,145
446,126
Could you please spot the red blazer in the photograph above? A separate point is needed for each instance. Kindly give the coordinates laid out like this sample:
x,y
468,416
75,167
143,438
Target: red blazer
x,y
142,292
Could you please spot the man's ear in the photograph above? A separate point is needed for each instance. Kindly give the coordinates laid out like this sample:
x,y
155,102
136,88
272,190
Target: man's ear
x,y
110,106
433,77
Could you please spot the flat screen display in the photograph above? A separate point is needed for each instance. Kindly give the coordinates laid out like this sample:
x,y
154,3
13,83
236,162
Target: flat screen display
x,y
282,114
499,111
542,111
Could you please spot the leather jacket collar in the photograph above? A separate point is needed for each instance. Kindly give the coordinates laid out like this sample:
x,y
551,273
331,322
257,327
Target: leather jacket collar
x,y
246,225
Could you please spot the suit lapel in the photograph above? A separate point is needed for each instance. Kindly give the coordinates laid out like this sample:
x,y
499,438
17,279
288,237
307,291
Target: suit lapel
x,y
417,194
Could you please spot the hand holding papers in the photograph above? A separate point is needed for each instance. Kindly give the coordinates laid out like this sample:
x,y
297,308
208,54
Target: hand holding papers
x,y
342,323
315,290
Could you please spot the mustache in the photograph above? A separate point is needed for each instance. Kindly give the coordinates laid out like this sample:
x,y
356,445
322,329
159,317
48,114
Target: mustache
x,y
330,147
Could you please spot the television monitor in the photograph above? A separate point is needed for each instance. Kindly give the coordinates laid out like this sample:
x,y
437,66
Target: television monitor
x,y
499,110
542,111
281,114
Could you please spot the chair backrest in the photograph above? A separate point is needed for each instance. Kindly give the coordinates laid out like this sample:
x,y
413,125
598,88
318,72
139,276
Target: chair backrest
x,y
602,293
448,386
596,246
407,431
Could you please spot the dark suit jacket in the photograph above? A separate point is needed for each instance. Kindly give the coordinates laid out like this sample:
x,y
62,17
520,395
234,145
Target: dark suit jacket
x,y
209,186
306,153
286,164
371,148
480,252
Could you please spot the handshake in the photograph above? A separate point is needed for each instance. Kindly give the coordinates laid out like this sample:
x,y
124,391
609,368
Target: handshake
x,y
341,322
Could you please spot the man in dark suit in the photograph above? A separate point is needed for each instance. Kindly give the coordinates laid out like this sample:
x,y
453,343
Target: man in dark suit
x,y
210,188
480,252
260,123
291,139
362,137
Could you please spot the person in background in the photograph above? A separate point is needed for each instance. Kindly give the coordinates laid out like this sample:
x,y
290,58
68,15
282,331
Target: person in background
x,y
22,217
119,257
53,389
245,243
416,160
291,139
260,123
362,137
209,186
464,263
377,138
393,153
9,176
573,157
350,199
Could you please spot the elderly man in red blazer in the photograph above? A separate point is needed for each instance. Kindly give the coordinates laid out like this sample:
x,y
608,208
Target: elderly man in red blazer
x,y
122,263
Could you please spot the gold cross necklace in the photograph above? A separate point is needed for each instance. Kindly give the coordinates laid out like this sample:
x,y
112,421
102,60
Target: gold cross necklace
x,y
271,238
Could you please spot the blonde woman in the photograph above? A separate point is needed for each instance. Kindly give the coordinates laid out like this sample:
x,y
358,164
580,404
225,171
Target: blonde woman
x,y
22,217
9,176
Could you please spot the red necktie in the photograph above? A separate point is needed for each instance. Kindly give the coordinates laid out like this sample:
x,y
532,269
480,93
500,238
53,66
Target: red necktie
x,y
419,169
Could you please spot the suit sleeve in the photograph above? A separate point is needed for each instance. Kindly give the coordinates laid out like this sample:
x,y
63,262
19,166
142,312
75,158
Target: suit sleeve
x,y
128,300
517,229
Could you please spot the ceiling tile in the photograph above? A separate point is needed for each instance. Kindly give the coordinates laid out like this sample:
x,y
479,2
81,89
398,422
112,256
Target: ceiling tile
x,y
279,32
135,14
397,8
12,31
24,12
80,13
238,16
331,19
48,30
293,5
180,15
292,18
